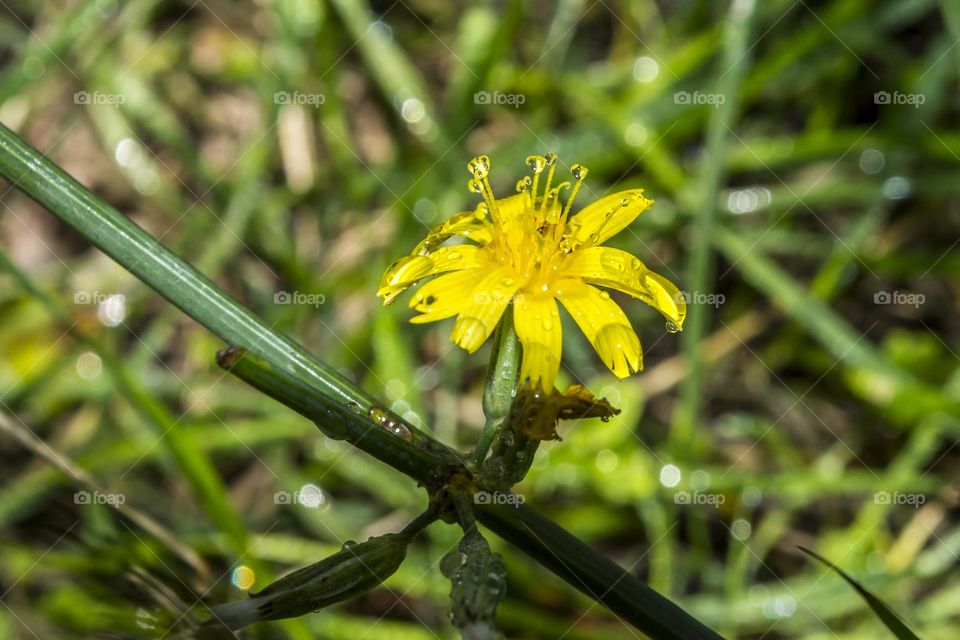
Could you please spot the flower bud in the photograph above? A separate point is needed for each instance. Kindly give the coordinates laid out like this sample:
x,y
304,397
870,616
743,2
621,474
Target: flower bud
x,y
356,569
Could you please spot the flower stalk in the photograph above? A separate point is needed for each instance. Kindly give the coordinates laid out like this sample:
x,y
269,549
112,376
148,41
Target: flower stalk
x,y
500,388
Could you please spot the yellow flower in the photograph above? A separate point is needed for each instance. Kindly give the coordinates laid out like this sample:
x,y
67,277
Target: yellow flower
x,y
527,250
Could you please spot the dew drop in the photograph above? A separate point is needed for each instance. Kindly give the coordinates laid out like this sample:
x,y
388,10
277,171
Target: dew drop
x,y
579,171
594,238
624,202
671,327
507,282
451,562
536,163
523,184
550,157
355,407
605,295
400,430
613,264
474,186
547,325
348,545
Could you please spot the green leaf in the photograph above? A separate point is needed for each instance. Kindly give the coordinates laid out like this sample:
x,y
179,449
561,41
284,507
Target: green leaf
x,y
887,616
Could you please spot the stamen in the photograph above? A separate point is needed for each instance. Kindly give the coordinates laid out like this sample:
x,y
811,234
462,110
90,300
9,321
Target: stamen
x,y
536,164
551,160
480,168
553,194
580,174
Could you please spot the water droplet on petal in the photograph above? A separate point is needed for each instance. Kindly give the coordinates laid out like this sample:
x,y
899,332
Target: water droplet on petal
x,y
536,163
348,545
624,202
672,327
355,407
579,171
605,295
547,325
550,157
507,282
474,186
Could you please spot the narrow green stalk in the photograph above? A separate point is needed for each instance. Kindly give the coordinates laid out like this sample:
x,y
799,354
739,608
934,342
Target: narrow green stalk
x,y
503,374
700,275
178,281
595,575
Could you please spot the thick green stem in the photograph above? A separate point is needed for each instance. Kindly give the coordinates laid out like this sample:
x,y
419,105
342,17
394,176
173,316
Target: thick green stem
x,y
503,374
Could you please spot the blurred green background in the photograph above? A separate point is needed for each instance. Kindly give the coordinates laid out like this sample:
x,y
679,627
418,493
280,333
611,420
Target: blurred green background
x,y
803,156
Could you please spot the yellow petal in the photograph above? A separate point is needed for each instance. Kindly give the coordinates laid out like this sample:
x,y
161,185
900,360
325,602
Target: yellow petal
x,y
409,269
512,208
668,299
605,325
606,217
445,295
620,270
538,327
479,317
465,223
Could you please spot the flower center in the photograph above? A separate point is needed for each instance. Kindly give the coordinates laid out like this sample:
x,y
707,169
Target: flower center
x,y
529,230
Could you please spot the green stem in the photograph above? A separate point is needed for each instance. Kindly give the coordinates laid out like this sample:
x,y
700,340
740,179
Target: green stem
x,y
178,281
503,374
594,575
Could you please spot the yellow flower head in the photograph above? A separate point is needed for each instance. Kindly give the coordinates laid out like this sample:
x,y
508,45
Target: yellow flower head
x,y
527,250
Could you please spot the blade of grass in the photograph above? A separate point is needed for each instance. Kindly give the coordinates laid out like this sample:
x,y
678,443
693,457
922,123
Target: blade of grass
x,y
887,616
